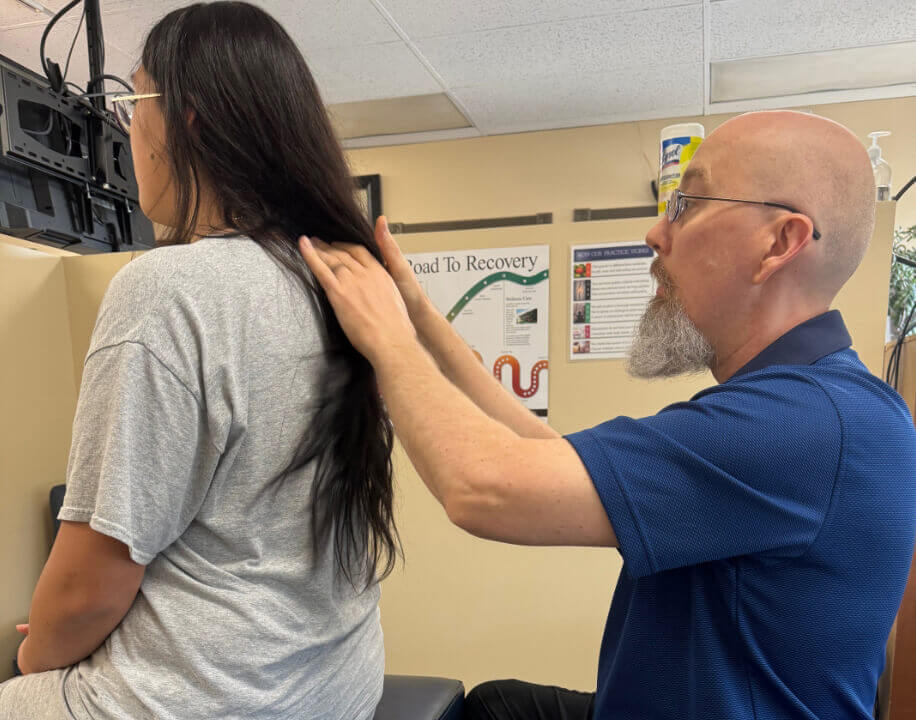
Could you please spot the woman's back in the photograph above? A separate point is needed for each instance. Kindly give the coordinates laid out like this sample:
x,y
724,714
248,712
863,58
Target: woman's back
x,y
200,385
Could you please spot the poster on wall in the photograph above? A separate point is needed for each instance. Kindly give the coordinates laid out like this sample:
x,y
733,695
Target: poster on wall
x,y
610,288
498,301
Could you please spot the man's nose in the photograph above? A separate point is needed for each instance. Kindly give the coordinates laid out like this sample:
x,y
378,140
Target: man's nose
x,y
657,237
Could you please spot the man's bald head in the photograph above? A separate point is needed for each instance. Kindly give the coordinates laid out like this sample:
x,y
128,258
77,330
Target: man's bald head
x,y
802,160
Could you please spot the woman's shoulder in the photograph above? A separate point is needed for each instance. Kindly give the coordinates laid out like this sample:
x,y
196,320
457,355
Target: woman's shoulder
x,y
176,284
215,283
210,268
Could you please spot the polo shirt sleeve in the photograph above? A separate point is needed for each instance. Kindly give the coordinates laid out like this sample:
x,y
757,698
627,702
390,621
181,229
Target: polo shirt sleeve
x,y
746,467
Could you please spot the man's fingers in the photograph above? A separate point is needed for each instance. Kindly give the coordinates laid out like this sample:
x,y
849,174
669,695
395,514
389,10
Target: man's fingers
x,y
341,254
391,252
315,259
358,253
23,628
383,238
334,257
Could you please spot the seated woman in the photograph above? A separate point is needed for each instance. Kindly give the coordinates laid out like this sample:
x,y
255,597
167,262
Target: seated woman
x,y
229,491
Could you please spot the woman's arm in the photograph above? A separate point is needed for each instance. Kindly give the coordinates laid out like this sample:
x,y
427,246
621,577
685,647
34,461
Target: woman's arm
x,y
86,588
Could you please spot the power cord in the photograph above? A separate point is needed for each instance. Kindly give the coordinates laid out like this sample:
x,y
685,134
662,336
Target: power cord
x,y
52,69
109,76
73,44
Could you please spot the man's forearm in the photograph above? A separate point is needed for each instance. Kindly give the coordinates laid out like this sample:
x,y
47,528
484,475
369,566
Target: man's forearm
x,y
492,482
462,368
450,441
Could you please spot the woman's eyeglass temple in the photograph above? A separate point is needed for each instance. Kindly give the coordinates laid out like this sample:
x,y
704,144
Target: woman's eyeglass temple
x,y
123,105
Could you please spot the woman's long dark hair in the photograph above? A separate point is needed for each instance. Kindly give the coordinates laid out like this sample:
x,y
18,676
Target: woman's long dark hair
x,y
242,112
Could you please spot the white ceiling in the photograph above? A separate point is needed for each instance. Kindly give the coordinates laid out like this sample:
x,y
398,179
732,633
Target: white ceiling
x,y
514,65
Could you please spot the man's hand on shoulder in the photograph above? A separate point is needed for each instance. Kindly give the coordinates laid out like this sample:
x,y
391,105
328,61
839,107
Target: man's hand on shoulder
x,y
365,299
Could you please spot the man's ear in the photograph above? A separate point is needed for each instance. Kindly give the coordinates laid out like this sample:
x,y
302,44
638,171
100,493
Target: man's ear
x,y
790,235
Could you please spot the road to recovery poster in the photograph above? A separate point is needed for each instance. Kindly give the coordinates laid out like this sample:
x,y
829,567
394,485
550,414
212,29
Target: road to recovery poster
x,y
498,301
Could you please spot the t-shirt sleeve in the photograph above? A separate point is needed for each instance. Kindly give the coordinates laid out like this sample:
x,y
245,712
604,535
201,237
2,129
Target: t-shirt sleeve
x,y
746,467
142,459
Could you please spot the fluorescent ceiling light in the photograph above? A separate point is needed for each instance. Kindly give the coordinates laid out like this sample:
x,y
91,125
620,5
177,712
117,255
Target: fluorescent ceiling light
x,y
786,75
394,116
37,7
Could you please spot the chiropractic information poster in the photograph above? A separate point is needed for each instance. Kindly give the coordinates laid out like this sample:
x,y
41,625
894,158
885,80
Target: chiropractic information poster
x,y
498,300
610,288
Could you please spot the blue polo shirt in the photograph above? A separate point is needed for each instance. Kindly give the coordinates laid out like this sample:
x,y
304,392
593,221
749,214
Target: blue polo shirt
x,y
767,528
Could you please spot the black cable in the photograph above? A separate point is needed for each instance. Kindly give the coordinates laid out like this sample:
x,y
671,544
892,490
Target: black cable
x,y
905,261
108,76
53,73
88,106
46,131
904,189
73,45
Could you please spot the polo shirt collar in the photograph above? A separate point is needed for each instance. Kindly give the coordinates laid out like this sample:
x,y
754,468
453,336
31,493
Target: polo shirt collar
x,y
804,344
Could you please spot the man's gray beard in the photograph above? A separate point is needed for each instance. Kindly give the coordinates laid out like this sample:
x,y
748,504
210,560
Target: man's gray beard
x,y
667,342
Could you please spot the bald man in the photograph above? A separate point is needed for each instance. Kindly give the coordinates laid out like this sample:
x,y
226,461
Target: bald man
x,y
767,523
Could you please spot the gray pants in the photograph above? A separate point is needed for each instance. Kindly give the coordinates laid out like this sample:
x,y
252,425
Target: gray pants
x,y
39,696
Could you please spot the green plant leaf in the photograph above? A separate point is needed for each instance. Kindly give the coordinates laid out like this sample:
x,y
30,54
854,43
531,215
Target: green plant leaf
x,y
902,291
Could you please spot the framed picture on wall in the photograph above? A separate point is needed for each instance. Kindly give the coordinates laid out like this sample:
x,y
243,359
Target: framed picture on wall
x,y
369,194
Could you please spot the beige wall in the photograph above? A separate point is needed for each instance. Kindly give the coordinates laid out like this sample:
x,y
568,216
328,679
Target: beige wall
x,y
598,167
475,610
469,609
460,606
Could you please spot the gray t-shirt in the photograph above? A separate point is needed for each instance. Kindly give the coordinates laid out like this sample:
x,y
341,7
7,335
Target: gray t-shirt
x,y
200,383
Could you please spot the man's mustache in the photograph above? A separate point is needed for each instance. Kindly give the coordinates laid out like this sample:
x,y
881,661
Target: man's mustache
x,y
661,275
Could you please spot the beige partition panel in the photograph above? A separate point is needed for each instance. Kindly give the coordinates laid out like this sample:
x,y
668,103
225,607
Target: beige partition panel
x,y
48,303
87,280
459,606
37,402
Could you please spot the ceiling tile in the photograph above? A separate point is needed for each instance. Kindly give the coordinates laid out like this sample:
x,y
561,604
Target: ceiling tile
x,y
750,28
13,12
421,18
368,72
330,23
573,47
22,43
126,23
317,24
554,101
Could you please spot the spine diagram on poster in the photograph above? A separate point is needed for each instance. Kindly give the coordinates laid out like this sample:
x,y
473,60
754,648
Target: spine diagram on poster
x,y
517,372
489,280
503,360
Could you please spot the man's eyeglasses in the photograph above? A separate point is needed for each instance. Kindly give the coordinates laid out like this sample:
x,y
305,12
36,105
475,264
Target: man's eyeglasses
x,y
123,106
677,203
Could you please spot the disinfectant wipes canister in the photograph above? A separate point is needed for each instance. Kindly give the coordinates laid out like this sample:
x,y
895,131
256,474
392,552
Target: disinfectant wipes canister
x,y
678,144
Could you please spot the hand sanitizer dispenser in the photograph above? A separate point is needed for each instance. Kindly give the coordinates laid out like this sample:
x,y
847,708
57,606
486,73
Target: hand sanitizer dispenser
x,y
880,167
